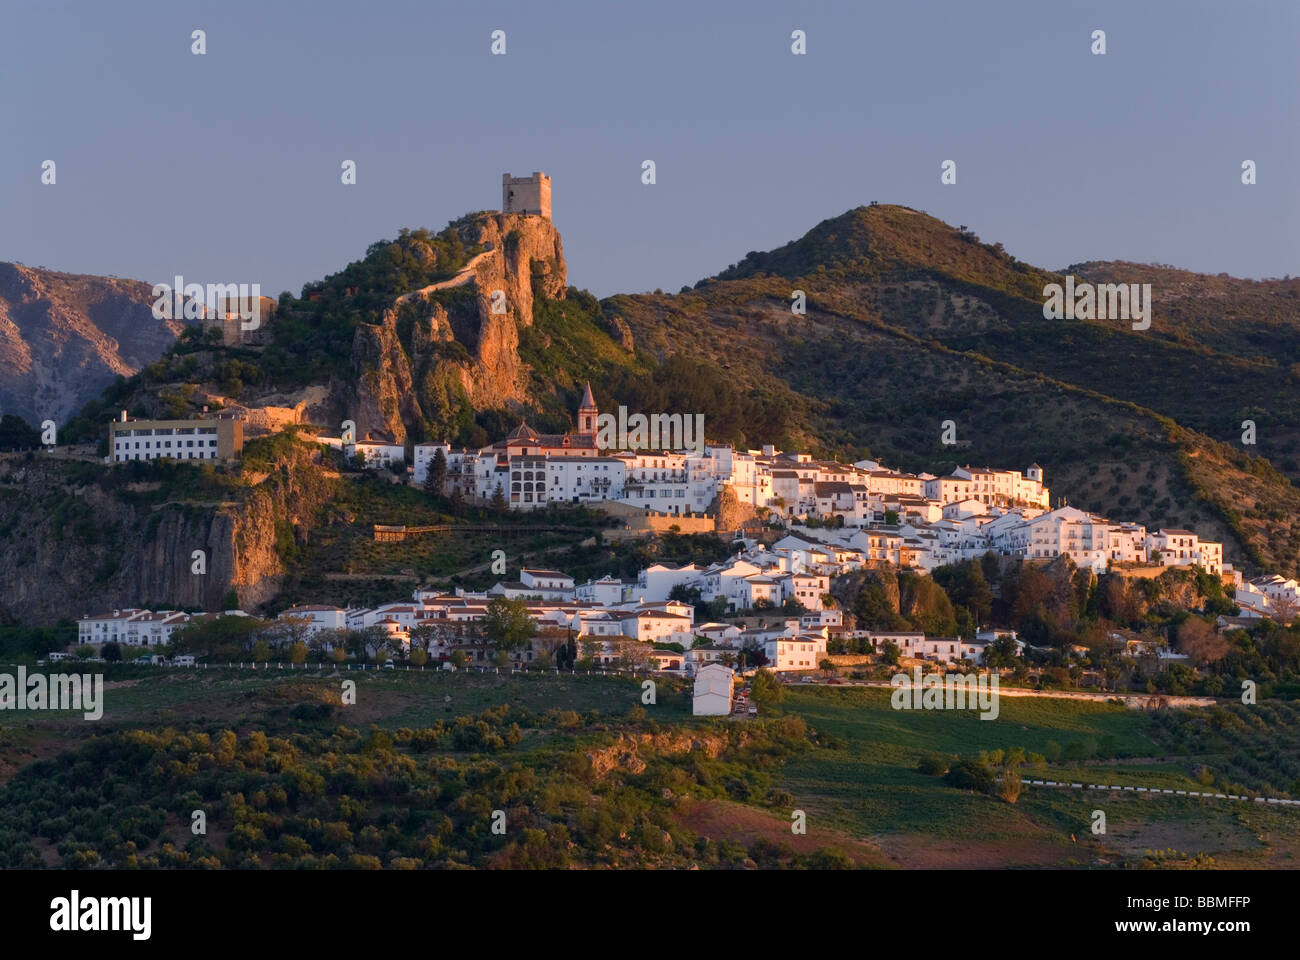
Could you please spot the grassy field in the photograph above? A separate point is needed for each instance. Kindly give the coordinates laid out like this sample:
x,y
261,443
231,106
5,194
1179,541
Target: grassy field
x,y
860,787
866,784
149,696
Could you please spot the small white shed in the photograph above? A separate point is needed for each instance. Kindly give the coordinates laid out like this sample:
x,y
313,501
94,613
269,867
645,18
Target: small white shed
x,y
713,683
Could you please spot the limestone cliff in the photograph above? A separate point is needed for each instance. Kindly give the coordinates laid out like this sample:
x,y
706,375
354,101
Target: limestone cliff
x,y
75,541
458,338
64,337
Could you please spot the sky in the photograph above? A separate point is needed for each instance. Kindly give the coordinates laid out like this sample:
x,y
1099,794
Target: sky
x,y
226,167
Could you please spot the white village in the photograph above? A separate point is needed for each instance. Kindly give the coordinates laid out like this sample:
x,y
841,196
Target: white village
x,y
807,522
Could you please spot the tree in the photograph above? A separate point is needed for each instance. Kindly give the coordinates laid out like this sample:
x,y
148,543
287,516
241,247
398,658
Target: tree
x,y
111,651
1002,652
17,434
291,629
1283,609
764,688
437,473
1201,641
926,605
966,586
498,501
889,653
507,624
422,637
684,593
355,642
298,652
218,638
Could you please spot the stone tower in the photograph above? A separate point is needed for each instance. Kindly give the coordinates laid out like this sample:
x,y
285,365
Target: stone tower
x,y
587,413
526,194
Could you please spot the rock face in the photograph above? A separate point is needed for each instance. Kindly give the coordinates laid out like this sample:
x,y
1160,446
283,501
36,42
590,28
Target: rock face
x,y
730,511
64,337
385,401
621,332
70,547
459,337
625,754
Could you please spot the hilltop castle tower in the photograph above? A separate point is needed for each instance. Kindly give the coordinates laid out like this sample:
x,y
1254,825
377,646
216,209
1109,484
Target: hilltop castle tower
x,y
526,194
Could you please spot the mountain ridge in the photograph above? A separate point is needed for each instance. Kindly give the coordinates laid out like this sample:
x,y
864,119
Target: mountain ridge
x,y
910,322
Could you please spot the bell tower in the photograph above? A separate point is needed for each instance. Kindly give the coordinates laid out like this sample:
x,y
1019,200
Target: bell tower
x,y
587,413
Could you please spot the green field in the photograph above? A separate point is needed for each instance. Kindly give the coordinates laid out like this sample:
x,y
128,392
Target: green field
x,y
856,775
866,784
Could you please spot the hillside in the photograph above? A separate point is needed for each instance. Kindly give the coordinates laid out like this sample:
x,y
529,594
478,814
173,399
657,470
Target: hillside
x,y
64,337
429,336
911,322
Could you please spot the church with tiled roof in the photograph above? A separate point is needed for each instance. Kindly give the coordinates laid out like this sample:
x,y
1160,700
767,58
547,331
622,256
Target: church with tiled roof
x,y
525,441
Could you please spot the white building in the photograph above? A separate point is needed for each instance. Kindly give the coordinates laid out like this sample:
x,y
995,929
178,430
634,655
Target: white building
x,y
802,652
317,617
132,627
376,453
712,695
1184,548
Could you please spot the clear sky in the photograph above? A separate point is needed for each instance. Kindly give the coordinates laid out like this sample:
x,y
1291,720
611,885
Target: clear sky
x,y
226,167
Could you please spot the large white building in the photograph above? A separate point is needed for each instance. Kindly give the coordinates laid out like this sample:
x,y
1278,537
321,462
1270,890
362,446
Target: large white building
x,y
1183,547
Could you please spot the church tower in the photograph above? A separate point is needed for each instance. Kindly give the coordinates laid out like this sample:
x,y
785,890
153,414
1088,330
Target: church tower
x,y
587,413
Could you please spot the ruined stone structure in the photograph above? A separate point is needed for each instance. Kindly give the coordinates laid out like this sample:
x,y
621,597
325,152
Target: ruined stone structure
x,y
526,194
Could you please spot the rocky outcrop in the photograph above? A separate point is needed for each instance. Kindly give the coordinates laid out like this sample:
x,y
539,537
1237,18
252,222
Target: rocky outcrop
x,y
460,333
64,337
385,398
730,511
621,332
625,754
69,546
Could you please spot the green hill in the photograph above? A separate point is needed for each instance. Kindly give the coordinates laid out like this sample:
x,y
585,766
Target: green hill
x,y
911,322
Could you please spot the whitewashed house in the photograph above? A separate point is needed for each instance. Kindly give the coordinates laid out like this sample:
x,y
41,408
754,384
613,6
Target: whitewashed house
x,y
712,695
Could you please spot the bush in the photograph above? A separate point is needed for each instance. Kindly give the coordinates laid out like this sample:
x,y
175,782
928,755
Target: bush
x,y
934,765
971,775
